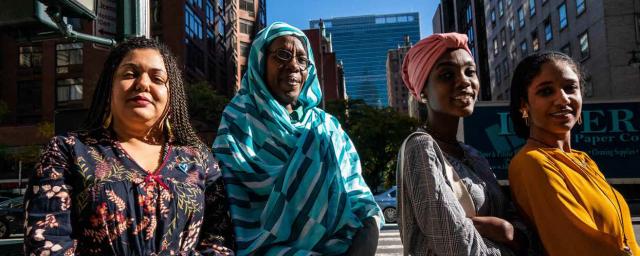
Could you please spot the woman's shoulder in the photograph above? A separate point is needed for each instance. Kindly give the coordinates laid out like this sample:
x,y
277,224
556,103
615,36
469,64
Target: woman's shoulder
x,y
76,138
531,163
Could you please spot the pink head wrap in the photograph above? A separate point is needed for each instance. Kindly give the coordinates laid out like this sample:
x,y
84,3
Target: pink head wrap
x,y
422,56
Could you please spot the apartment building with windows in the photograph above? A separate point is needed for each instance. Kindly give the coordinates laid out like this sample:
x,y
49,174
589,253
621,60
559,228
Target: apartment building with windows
x,y
600,34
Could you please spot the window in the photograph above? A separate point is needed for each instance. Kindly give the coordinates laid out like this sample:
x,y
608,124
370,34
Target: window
x,y
513,55
68,90
493,17
495,46
508,2
195,57
193,24
471,36
523,48
196,3
67,55
520,17
584,45
566,49
248,6
580,6
548,32
30,57
500,8
562,14
244,49
29,98
503,38
498,75
512,27
505,68
210,13
211,40
246,26
469,14
532,8
535,42
220,27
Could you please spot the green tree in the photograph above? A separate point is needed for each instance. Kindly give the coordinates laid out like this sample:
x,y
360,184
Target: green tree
x,y
205,109
377,134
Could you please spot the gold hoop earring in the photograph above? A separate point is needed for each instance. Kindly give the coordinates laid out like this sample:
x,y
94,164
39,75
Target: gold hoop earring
x,y
107,121
525,116
167,126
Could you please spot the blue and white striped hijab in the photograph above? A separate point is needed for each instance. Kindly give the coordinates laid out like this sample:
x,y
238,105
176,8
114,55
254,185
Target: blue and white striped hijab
x,y
294,188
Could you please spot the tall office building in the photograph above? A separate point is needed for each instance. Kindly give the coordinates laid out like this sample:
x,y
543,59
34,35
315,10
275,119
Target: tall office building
x,y
467,17
603,35
397,91
362,42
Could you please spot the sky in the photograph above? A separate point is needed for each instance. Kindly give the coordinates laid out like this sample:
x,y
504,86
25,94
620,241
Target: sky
x,y
299,12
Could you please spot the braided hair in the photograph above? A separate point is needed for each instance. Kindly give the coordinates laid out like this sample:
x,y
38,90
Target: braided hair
x,y
178,114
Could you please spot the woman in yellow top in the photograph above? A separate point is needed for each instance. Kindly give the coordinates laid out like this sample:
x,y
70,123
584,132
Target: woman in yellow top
x,y
560,191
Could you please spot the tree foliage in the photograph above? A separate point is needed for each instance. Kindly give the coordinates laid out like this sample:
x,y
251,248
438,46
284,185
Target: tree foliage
x,y
205,109
377,134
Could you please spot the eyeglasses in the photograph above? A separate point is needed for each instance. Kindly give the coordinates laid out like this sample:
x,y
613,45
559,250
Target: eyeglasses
x,y
284,56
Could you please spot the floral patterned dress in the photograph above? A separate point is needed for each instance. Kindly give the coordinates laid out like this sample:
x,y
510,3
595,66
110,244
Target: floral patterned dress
x,y
88,197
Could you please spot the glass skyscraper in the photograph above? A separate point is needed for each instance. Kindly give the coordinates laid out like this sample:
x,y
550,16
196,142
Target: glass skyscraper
x,y
362,42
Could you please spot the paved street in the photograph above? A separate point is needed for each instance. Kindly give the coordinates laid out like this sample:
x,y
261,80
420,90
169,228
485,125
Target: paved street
x,y
389,243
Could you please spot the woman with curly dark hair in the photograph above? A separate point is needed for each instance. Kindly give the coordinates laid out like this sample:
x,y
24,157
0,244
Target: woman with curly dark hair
x,y
133,181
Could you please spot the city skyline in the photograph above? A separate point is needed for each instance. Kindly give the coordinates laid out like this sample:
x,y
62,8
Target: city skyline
x,y
286,11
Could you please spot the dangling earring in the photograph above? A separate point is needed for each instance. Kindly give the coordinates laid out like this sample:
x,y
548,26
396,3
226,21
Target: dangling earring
x,y
525,116
167,126
423,98
107,121
580,120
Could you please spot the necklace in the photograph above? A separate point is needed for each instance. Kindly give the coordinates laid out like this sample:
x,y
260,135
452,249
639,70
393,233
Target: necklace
x,y
585,168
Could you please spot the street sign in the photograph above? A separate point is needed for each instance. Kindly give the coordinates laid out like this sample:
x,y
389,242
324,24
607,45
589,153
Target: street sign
x,y
106,23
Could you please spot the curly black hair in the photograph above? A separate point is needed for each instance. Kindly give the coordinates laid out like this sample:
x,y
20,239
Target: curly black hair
x,y
183,132
523,75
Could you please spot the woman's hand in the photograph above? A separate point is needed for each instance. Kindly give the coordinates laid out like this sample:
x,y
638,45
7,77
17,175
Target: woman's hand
x,y
496,229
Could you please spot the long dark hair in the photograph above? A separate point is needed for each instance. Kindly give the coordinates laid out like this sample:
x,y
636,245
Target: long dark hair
x,y
524,74
178,114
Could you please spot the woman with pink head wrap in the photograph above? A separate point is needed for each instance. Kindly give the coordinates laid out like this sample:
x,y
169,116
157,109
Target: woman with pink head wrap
x,y
449,201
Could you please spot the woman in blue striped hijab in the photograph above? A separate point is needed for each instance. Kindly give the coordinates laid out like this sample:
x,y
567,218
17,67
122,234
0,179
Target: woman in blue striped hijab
x,y
293,175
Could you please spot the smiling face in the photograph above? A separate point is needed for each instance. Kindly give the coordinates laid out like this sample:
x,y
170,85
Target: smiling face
x,y
140,94
285,78
452,86
554,100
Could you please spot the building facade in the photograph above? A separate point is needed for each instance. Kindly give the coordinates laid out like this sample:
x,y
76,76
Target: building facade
x,y
362,42
211,38
46,85
467,17
397,91
602,35
329,69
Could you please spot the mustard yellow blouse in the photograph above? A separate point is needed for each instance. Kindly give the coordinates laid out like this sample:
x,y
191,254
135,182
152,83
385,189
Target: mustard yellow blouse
x,y
565,197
